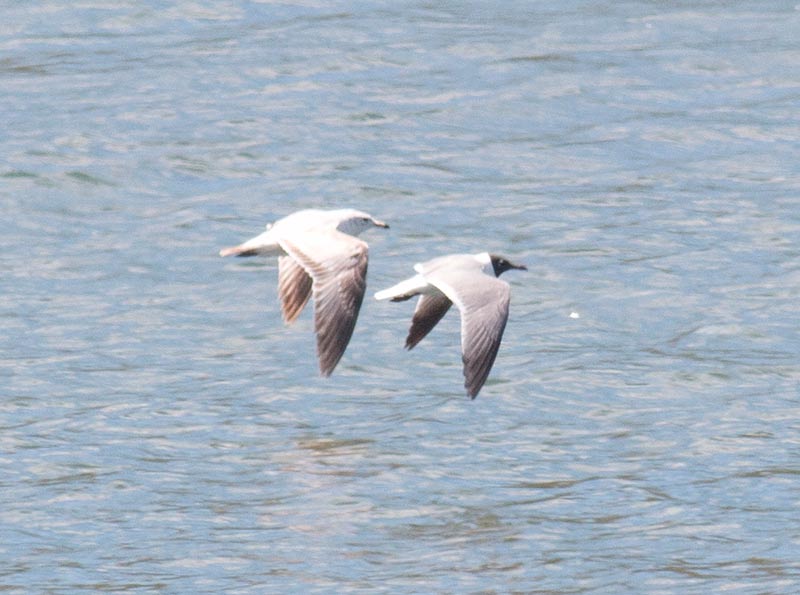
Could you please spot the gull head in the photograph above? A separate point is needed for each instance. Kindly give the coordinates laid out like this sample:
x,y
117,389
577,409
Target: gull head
x,y
501,264
353,222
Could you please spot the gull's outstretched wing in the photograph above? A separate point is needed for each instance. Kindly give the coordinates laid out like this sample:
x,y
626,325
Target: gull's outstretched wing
x,y
483,301
337,265
430,310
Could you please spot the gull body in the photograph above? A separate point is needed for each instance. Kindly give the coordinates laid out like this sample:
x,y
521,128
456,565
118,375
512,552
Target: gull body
x,y
319,255
470,282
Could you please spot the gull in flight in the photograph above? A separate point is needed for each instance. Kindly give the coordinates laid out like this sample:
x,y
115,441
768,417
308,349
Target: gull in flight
x,y
470,282
318,254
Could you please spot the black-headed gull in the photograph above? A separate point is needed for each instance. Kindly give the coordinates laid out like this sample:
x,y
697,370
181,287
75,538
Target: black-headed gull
x,y
468,281
318,253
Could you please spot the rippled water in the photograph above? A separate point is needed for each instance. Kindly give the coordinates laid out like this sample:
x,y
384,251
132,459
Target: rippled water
x,y
162,432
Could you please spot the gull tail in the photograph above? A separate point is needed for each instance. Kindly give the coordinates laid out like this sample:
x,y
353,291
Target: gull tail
x,y
237,251
404,290
261,244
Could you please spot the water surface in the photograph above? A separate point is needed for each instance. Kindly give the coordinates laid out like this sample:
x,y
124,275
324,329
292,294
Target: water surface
x,y
163,432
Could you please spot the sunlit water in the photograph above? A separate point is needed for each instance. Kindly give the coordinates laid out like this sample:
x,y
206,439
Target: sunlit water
x,y
161,431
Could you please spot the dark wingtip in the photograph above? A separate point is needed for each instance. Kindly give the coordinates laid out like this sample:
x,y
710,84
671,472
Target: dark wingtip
x,y
413,339
472,390
327,364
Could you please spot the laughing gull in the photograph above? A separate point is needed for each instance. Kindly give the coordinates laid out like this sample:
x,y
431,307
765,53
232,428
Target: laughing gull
x,y
469,281
318,253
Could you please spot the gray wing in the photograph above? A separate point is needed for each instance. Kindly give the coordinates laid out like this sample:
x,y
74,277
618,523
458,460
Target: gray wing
x,y
337,265
430,310
483,302
294,288
481,332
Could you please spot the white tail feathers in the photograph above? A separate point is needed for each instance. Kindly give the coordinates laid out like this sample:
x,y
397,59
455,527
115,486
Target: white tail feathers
x,y
404,290
232,251
261,244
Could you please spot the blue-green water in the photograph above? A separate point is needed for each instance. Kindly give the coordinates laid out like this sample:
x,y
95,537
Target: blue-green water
x,y
161,431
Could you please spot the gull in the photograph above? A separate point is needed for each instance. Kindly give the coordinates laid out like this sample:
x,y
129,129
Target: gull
x,y
470,282
318,254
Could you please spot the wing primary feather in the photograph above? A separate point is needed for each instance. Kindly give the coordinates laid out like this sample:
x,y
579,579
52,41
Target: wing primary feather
x,y
294,288
483,302
482,333
339,282
430,310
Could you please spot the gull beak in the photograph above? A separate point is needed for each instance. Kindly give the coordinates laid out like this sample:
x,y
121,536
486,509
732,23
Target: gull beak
x,y
380,224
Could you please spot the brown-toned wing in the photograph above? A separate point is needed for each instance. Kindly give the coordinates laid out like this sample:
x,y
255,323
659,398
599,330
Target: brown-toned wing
x,y
430,310
337,264
294,288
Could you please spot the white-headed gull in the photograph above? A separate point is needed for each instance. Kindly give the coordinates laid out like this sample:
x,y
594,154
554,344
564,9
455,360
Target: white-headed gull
x,y
468,281
318,253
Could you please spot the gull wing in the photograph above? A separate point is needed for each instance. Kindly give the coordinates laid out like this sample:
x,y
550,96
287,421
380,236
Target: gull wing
x,y
294,288
430,310
483,302
337,265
